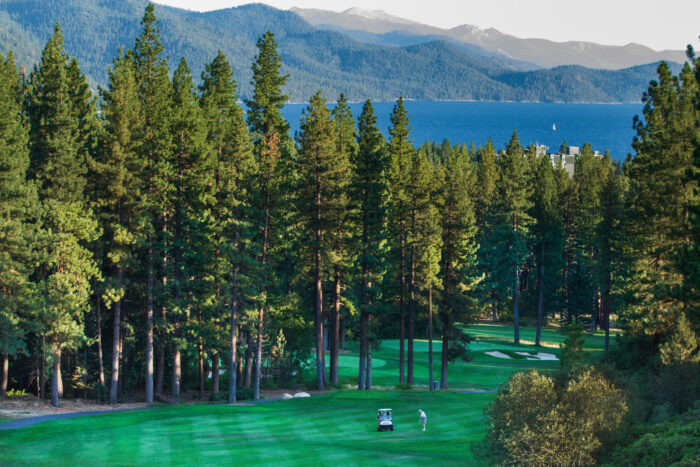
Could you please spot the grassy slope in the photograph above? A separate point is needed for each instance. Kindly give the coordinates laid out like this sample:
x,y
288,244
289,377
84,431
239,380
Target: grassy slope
x,y
331,429
483,372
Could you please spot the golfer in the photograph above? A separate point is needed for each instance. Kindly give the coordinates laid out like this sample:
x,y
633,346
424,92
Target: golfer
x,y
422,418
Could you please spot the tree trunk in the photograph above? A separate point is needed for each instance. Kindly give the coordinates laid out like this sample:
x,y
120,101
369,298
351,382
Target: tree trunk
x,y
177,374
516,312
540,298
4,376
258,354
368,376
318,291
42,376
606,317
56,375
163,312
59,379
149,330
261,309
121,343
411,317
363,349
494,308
113,392
100,362
402,304
215,368
342,333
335,331
445,343
430,337
232,367
200,361
248,359
160,369
239,360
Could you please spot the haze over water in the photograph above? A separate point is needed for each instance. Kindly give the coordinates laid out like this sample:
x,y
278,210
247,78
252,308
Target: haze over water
x,y
604,126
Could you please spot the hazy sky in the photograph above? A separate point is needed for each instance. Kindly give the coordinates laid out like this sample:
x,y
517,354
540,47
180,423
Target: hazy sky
x,y
660,24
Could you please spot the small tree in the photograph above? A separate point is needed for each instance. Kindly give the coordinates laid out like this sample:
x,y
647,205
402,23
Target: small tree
x,y
572,348
535,422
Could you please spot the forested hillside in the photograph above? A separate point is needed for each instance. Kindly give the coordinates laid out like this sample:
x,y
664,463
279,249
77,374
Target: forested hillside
x,y
173,234
313,58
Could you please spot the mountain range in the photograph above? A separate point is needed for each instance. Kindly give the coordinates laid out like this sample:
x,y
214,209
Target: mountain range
x,y
436,67
376,26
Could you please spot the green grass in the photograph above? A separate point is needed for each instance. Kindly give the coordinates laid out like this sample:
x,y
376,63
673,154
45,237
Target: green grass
x,y
483,372
331,429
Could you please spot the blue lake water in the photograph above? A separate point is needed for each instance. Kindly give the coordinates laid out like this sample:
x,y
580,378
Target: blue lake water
x,y
603,126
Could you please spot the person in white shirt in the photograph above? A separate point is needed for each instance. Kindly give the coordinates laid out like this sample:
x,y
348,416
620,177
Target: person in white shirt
x,y
422,418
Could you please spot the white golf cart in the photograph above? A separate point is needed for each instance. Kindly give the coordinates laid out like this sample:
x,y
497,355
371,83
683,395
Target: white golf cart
x,y
384,421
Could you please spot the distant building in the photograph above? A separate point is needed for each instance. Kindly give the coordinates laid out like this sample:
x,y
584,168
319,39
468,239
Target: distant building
x,y
568,161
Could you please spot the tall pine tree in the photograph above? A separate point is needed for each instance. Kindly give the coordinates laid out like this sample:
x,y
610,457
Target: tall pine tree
x,y
233,212
19,212
369,191
156,150
401,151
59,169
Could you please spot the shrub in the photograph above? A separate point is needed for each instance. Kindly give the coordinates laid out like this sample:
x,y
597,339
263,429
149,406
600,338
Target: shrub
x,y
572,348
673,443
535,422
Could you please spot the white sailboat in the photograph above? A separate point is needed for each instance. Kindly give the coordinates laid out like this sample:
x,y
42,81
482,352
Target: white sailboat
x,y
554,127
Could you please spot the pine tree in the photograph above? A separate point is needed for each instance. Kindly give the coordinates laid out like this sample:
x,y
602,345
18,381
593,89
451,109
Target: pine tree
x,y
512,222
547,236
60,169
233,213
117,176
273,153
427,241
322,175
401,151
194,166
19,212
658,208
369,191
342,228
418,208
458,268
610,239
587,178
689,260
265,107
156,151
486,182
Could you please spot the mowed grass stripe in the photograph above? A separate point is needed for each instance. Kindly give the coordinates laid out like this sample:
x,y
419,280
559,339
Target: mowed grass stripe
x,y
332,429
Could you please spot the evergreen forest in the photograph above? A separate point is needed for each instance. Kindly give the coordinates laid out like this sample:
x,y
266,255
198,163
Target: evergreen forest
x,y
171,232
313,58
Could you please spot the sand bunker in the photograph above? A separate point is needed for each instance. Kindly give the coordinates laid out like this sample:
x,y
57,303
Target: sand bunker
x,y
497,354
538,356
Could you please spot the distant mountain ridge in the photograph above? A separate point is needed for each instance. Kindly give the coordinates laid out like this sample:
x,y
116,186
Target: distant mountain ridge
x,y
380,27
313,58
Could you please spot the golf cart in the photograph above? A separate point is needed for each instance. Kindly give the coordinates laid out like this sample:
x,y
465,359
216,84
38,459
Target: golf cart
x,y
384,421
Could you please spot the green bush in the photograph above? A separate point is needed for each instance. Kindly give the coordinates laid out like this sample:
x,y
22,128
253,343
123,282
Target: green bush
x,y
673,443
535,421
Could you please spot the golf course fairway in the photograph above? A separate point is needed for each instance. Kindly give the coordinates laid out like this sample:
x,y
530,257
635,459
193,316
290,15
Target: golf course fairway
x,y
338,428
